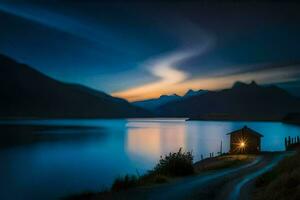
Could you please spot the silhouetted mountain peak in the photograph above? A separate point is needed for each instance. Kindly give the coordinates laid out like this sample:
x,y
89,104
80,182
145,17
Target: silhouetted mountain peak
x,y
253,83
242,85
167,96
239,84
191,92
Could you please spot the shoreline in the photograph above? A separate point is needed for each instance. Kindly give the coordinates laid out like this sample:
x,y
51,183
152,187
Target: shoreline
x,y
202,167
11,119
194,185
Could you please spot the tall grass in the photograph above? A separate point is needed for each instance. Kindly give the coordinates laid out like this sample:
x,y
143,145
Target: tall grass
x,y
175,164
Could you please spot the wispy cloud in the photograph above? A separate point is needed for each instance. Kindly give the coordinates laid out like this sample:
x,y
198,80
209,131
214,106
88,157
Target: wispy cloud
x,y
164,68
194,42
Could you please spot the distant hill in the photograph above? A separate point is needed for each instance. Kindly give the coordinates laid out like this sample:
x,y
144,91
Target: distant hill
x,y
27,93
190,93
293,118
153,104
241,102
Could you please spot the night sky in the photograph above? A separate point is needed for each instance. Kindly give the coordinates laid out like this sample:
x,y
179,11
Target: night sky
x,y
138,50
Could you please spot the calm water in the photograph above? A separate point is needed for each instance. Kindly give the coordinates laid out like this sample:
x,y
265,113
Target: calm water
x,y
55,168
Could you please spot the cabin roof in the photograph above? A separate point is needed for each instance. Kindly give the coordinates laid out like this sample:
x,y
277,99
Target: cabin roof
x,y
245,129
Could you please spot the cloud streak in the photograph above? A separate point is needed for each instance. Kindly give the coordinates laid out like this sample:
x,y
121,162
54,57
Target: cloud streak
x,y
194,42
164,68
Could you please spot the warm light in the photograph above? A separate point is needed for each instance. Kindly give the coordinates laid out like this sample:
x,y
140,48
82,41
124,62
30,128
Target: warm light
x,y
242,144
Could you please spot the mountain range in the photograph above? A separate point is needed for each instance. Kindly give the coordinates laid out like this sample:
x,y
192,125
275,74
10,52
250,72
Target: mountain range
x,y
153,104
241,102
27,93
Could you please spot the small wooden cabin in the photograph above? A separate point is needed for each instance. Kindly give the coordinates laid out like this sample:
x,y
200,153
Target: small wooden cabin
x,y
245,141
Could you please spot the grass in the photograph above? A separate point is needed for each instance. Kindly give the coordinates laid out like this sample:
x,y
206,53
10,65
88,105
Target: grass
x,y
282,182
222,162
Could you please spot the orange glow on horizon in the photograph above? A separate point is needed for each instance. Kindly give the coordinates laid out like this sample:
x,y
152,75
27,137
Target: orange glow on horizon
x,y
163,87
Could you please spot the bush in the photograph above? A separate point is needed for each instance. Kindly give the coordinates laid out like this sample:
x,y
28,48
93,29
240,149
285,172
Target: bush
x,y
175,164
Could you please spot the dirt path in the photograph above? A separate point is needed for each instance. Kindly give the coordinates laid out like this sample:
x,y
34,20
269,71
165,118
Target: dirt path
x,y
241,185
199,186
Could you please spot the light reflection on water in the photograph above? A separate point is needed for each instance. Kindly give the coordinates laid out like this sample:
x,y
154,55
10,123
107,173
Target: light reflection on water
x,y
150,140
51,169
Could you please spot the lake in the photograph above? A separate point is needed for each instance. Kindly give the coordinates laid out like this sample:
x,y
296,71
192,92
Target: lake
x,y
50,168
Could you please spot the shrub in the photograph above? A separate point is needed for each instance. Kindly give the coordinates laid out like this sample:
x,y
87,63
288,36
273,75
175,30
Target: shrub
x,y
175,164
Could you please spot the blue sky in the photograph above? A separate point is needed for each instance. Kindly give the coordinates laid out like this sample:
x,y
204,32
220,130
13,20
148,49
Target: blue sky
x,y
141,50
